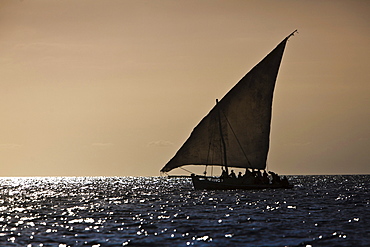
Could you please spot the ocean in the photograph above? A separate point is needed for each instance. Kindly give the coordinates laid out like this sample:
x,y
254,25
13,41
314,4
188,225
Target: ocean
x,y
158,211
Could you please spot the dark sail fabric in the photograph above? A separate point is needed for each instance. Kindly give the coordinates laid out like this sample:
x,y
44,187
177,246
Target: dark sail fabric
x,y
243,116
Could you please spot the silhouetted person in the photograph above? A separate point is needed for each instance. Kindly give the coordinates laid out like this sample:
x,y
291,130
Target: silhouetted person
x,y
240,175
232,174
258,177
224,174
254,173
247,174
275,178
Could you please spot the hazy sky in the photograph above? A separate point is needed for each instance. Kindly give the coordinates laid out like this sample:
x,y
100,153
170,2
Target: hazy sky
x,y
114,88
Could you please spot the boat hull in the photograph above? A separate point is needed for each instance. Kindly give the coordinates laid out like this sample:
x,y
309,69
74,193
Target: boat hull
x,y
212,183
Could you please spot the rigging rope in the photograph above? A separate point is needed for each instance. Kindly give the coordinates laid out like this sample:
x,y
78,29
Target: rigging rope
x,y
186,170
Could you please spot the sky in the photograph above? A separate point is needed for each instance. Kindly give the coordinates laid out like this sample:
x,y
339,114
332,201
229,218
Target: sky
x,y
115,87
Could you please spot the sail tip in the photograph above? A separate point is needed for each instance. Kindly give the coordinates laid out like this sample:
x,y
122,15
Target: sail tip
x,y
292,34
165,169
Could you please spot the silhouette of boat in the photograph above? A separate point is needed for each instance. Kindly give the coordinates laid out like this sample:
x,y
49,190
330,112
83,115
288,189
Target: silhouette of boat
x,y
236,132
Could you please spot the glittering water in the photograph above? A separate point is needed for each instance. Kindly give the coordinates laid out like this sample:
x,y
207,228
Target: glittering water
x,y
147,211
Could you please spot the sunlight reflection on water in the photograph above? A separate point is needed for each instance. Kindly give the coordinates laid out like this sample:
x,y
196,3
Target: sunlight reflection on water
x,y
69,211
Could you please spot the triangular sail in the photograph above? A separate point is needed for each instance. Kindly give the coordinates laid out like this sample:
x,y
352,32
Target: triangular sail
x,y
245,112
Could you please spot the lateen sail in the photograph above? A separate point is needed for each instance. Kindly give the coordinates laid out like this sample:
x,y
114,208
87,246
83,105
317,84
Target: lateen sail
x,y
244,116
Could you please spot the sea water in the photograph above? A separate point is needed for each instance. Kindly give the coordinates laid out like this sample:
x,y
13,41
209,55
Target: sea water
x,y
158,211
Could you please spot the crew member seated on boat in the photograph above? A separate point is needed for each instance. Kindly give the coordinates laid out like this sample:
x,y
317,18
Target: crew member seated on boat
x,y
275,178
232,174
257,177
254,173
224,174
240,175
247,174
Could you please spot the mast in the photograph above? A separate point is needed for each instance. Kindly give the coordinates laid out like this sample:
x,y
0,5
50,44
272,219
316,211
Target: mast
x,y
222,139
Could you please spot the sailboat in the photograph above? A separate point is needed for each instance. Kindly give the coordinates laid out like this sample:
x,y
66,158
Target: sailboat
x,y
236,132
